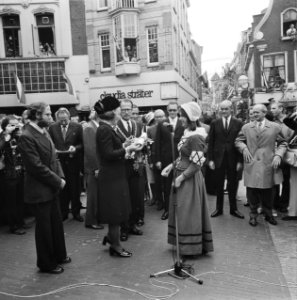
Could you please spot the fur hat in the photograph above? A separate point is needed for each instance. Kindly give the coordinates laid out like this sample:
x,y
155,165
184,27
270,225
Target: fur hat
x,y
108,103
192,110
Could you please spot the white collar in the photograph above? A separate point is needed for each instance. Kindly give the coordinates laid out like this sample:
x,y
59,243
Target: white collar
x,y
198,131
39,129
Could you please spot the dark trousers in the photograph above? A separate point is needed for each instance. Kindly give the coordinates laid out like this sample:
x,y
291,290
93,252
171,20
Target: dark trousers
x,y
49,235
220,173
14,202
158,189
282,201
260,196
71,191
92,200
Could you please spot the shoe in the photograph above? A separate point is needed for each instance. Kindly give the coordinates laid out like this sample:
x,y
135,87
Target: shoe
x,y
274,213
164,215
237,214
246,204
18,231
106,240
225,191
78,218
270,220
66,260
260,210
95,226
140,222
289,218
253,222
216,213
123,253
153,202
83,207
56,270
124,236
134,230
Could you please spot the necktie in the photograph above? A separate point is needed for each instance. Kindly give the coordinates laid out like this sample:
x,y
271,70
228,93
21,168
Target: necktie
x,y
64,131
259,125
226,124
129,128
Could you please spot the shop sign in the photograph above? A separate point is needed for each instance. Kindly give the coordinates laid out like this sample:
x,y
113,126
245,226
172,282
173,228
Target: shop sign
x,y
133,94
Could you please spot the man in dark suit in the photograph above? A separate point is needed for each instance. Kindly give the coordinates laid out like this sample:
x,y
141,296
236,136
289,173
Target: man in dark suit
x,y
223,157
127,129
91,168
68,139
171,125
42,185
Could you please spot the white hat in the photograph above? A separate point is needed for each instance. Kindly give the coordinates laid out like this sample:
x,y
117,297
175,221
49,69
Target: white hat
x,y
192,110
149,117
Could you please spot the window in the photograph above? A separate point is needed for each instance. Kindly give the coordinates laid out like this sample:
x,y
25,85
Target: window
x,y
275,69
105,51
289,18
12,35
45,35
126,38
37,77
102,4
152,37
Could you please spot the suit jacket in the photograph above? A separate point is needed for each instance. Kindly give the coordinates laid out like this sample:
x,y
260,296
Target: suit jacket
x,y
42,170
163,142
151,134
221,141
259,172
74,137
123,133
90,157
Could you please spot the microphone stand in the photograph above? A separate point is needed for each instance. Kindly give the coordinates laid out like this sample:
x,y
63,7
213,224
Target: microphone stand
x,y
178,271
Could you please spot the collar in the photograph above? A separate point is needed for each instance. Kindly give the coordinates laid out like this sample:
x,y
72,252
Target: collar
x,y
39,129
63,126
95,123
172,121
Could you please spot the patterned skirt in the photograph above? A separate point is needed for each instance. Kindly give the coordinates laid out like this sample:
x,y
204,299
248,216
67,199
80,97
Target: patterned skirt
x,y
194,228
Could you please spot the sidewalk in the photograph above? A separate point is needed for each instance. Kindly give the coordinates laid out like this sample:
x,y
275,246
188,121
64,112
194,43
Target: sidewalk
x,y
248,263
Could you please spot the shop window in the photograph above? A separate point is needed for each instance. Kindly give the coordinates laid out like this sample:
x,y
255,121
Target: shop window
x,y
126,38
289,24
105,51
152,37
102,4
12,35
275,70
44,37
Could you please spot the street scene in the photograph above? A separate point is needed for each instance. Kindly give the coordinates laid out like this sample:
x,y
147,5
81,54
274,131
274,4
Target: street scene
x,y
148,149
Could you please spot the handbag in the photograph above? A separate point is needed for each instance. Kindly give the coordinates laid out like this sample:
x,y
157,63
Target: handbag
x,y
290,157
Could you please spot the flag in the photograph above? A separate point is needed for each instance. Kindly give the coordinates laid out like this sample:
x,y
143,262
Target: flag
x,y
230,91
20,92
69,86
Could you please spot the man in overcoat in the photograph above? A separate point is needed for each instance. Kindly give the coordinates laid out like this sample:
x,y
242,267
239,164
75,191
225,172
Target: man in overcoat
x,y
43,182
223,157
256,142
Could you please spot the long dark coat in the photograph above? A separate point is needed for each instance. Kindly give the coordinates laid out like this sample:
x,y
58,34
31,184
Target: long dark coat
x,y
113,191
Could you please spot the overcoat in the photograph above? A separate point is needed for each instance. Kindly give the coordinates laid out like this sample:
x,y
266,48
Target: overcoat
x,y
259,173
113,192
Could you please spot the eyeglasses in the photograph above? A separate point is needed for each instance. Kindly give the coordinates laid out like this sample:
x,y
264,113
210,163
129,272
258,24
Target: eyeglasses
x,y
172,110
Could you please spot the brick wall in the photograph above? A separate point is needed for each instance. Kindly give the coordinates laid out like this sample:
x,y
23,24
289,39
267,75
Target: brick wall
x,y
78,27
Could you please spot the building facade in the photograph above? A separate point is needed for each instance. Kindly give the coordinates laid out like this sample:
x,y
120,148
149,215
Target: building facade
x,y
142,50
43,44
271,53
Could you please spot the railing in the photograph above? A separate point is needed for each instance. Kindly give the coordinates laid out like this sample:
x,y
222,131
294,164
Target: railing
x,y
117,4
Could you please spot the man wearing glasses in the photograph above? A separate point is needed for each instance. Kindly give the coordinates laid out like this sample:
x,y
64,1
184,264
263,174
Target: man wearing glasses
x,y
164,152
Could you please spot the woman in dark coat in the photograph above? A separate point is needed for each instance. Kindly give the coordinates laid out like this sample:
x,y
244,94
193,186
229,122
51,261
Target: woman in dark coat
x,y
113,190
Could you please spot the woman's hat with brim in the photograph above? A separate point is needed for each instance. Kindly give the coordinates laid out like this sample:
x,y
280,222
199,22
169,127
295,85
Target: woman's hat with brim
x,y
107,104
192,110
149,117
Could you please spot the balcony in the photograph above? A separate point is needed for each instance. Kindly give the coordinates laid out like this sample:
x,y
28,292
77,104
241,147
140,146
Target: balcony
x,y
127,68
118,5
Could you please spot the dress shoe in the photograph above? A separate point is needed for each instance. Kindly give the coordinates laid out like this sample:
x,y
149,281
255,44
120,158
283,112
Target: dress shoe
x,y
134,230
123,253
78,218
253,222
216,213
96,227
237,214
56,270
270,220
83,207
164,215
124,236
17,231
140,222
106,240
289,218
66,260
246,204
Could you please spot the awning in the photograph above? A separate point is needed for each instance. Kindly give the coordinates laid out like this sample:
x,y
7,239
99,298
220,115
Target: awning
x,y
261,98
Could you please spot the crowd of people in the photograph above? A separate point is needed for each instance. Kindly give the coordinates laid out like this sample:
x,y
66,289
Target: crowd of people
x,y
123,159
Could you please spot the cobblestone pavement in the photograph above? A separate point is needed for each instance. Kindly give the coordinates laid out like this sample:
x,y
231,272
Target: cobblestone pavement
x,y
248,263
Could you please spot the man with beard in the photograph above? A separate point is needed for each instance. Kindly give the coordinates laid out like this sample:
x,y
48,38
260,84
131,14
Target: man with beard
x,y
43,181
